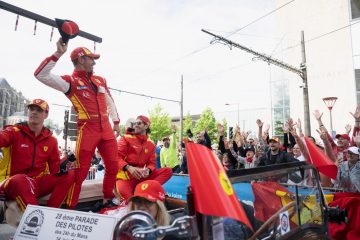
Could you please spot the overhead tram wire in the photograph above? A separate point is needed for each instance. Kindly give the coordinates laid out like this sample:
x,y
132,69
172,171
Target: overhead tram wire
x,y
231,33
258,19
291,47
144,95
317,37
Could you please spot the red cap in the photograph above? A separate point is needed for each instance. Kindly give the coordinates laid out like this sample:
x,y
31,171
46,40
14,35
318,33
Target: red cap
x,y
40,103
150,190
82,51
344,136
145,119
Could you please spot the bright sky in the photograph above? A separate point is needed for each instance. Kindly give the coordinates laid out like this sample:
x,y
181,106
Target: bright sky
x,y
146,47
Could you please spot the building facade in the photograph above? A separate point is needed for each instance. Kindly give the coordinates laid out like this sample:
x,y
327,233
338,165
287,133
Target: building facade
x,y
12,104
332,38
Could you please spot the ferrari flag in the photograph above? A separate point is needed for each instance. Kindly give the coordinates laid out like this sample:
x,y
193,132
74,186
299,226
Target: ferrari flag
x,y
213,191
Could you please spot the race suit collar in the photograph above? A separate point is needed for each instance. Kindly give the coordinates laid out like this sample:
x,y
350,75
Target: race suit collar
x,y
82,73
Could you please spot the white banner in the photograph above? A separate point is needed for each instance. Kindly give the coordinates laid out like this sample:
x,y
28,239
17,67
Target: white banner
x,y
44,223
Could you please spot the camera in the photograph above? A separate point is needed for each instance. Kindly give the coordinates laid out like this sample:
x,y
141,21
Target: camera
x,y
337,215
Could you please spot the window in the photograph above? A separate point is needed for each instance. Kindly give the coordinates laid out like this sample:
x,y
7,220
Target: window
x,y
355,9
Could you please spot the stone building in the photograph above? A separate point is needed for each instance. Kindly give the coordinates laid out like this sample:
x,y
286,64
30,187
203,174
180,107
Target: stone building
x,y
12,104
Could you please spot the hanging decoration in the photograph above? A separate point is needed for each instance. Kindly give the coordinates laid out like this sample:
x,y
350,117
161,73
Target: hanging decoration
x,y
35,26
17,22
52,33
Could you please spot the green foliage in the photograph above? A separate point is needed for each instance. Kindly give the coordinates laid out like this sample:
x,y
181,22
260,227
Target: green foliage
x,y
188,124
160,123
278,127
207,121
225,124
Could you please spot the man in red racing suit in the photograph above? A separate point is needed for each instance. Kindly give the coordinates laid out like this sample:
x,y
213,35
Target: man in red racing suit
x,y
30,166
136,156
92,100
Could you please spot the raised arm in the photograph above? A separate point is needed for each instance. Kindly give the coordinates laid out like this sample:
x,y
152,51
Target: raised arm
x,y
43,72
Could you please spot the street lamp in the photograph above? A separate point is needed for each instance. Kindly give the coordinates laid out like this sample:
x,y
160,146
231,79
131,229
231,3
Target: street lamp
x,y
238,111
330,102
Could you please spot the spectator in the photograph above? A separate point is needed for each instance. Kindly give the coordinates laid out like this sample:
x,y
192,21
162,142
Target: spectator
x,y
169,155
297,153
159,146
96,158
250,160
93,103
274,155
348,177
183,166
203,138
149,196
30,169
136,157
343,140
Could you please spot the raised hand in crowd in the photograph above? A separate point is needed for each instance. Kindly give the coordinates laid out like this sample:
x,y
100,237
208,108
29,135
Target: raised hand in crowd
x,y
348,128
286,128
259,123
356,116
318,115
221,130
327,146
299,125
357,139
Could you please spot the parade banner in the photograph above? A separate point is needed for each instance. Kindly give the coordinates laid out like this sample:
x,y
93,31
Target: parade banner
x,y
40,223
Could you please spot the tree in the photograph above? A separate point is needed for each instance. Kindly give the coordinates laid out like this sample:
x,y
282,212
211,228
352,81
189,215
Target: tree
x,y
207,121
160,123
188,124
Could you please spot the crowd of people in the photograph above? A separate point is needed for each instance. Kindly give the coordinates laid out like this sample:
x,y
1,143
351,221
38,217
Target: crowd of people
x,y
31,159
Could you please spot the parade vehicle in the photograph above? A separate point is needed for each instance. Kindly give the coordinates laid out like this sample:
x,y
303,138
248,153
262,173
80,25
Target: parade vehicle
x,y
284,201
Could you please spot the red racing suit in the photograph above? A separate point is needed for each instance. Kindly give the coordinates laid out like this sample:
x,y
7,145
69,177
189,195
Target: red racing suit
x,y
29,166
92,100
137,151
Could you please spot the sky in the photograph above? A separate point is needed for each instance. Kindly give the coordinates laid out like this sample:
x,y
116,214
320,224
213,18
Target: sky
x,y
147,46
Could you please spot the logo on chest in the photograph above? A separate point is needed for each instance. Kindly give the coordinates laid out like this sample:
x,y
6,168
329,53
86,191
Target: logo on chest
x,y
86,94
45,148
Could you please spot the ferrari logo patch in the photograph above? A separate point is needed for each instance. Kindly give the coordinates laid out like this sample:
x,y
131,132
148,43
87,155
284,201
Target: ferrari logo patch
x,y
45,148
144,186
226,184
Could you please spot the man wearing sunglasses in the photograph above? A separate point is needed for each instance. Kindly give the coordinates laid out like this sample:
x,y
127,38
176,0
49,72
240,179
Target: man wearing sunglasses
x,y
31,162
136,156
93,103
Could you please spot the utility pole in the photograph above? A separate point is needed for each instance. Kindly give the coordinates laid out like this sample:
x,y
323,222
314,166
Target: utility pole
x,y
305,87
270,60
181,109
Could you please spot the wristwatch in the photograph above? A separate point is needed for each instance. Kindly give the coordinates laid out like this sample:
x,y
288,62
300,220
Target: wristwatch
x,y
126,167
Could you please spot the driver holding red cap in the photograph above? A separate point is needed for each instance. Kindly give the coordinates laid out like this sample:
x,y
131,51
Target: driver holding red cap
x,y
136,156
93,103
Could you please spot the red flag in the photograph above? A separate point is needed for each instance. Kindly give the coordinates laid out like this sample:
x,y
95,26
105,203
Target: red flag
x,y
351,230
319,159
266,202
213,192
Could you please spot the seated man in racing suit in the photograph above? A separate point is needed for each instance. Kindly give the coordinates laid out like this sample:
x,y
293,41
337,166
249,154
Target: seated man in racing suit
x,y
136,156
30,166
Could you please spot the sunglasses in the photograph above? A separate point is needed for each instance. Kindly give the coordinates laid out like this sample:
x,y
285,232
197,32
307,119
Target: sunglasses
x,y
138,123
